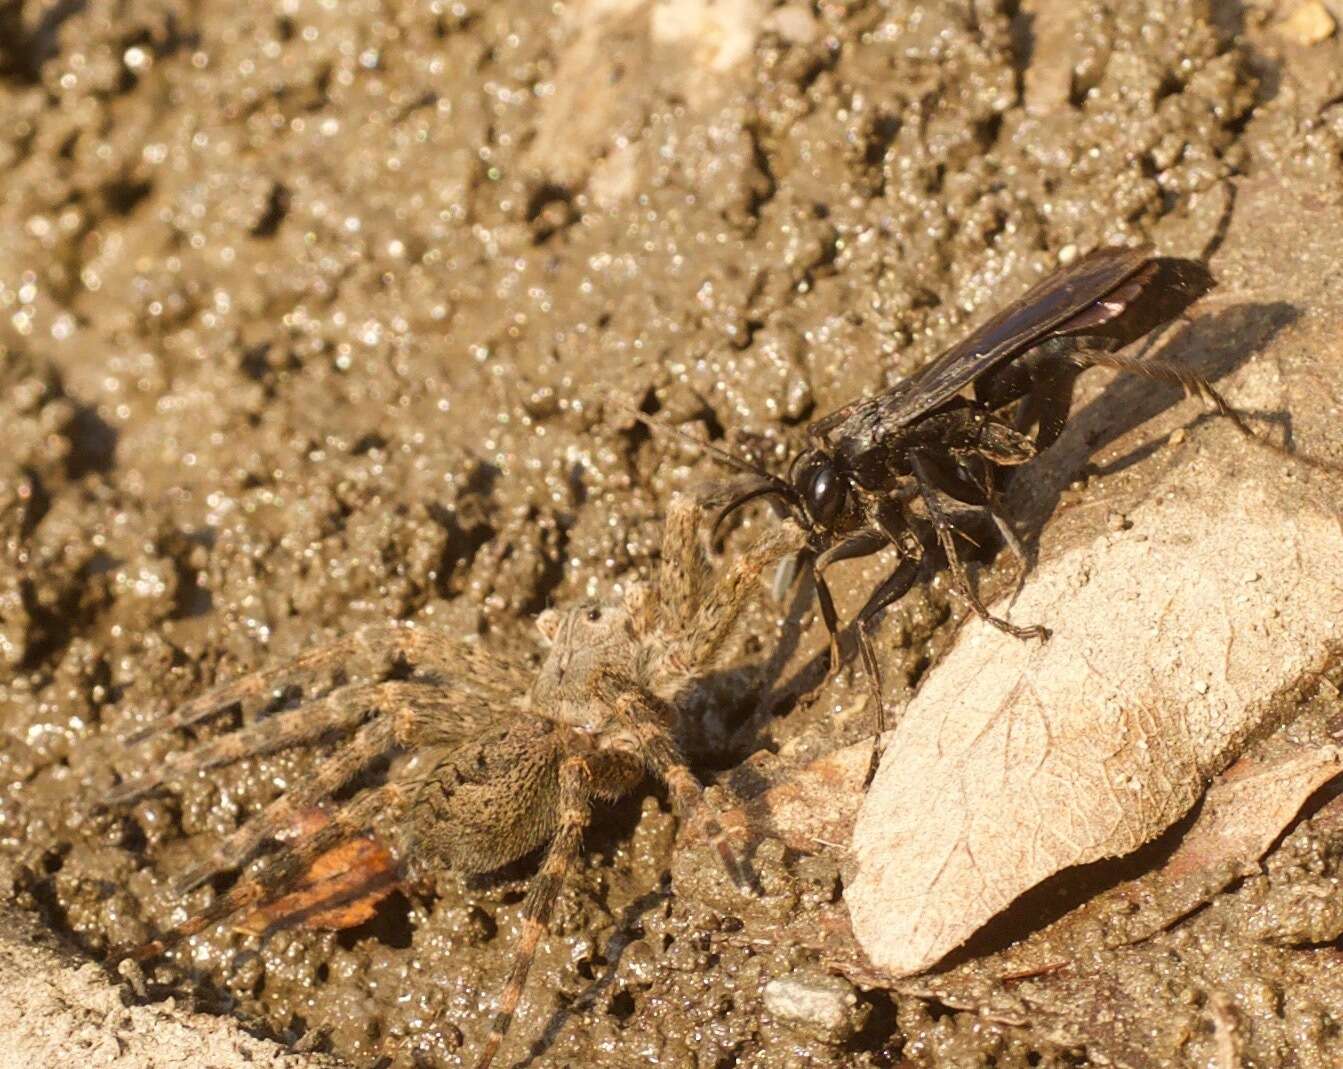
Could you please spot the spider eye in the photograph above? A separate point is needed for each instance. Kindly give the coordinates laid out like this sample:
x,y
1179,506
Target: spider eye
x,y
824,491
594,615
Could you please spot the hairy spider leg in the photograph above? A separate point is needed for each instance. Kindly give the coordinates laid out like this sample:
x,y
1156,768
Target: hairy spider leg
x,y
403,718
457,717
702,633
279,872
576,782
644,717
337,713
685,570
381,643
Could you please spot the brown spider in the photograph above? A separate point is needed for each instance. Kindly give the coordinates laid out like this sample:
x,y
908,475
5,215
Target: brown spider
x,y
510,769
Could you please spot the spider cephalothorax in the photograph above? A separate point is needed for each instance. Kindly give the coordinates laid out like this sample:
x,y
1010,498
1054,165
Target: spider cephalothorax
x,y
512,762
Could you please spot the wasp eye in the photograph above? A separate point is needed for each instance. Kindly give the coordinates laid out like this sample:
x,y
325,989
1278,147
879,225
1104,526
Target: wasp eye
x,y
825,493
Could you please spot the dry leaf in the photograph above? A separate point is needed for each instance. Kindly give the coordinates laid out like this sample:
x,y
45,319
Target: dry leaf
x,y
340,889
1243,813
1300,905
1173,641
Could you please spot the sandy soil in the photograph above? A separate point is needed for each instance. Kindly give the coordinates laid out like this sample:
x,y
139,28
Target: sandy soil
x,y
306,318
61,1011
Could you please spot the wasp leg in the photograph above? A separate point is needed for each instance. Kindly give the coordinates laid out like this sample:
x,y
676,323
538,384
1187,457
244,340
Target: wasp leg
x,y
973,480
894,587
1047,406
1164,371
863,544
947,539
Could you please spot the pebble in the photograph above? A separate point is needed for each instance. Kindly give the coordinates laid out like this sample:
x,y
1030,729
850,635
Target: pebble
x,y
816,1004
1309,23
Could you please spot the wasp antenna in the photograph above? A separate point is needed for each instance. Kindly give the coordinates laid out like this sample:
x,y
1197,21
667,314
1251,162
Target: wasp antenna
x,y
764,488
730,459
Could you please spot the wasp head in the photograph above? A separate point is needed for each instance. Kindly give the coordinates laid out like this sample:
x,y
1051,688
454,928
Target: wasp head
x,y
820,488
815,495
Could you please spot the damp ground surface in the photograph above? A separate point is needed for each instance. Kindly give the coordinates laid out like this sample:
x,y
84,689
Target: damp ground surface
x,y
308,318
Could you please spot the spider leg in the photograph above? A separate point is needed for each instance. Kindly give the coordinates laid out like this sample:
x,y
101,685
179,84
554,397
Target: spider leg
x,y
686,794
381,645
337,713
946,538
283,869
575,812
685,566
644,718
403,720
699,642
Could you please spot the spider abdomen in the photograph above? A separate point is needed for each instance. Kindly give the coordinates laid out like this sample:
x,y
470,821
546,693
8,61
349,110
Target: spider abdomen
x,y
488,802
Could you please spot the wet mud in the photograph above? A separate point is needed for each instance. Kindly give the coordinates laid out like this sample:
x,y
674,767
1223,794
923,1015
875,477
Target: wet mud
x,y
308,316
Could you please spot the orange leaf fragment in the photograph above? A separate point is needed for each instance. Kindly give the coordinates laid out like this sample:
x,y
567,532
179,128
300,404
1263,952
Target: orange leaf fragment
x,y
340,889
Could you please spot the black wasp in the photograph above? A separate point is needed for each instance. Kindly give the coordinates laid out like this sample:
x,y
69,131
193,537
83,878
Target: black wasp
x,y
889,469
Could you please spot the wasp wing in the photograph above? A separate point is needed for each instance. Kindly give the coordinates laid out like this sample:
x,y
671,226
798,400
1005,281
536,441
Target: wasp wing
x,y
1045,310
